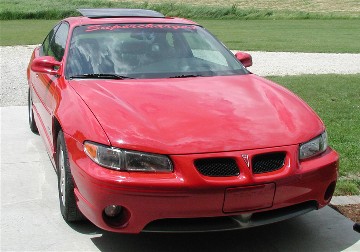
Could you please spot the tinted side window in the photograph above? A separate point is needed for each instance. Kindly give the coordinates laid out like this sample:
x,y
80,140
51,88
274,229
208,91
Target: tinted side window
x,y
58,42
46,43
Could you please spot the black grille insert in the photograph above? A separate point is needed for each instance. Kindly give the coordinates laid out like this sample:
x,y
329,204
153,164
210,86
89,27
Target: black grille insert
x,y
217,167
268,162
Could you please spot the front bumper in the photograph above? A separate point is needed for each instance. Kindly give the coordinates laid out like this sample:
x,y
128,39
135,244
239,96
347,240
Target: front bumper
x,y
176,202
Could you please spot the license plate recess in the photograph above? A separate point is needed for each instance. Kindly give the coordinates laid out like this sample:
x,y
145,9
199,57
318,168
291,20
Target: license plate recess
x,y
248,198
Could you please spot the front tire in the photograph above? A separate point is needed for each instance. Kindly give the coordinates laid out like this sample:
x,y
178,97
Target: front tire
x,y
32,123
68,206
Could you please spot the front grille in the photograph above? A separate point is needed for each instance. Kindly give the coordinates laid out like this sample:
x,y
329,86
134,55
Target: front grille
x,y
268,162
217,167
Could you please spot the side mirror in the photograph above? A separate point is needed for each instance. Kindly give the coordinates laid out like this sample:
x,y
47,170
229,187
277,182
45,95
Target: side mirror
x,y
244,58
46,64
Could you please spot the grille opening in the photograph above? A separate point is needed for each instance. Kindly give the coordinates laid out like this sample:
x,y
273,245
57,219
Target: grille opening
x,y
268,162
217,167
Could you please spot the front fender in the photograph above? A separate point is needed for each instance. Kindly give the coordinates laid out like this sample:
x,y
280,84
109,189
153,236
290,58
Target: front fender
x,y
75,118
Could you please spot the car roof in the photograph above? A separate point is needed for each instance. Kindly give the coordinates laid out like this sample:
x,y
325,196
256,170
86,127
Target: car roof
x,y
108,16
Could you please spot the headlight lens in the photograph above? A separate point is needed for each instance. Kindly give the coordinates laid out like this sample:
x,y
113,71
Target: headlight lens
x,y
313,147
126,160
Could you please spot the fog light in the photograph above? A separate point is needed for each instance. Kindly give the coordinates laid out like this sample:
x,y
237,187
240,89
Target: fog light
x,y
116,216
113,210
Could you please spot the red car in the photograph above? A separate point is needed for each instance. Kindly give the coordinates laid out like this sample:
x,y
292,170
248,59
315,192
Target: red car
x,y
153,125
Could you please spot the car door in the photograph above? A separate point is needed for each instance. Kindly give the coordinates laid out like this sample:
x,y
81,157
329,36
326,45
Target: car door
x,y
46,85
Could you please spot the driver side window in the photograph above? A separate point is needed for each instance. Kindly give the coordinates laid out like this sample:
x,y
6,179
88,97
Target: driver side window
x,y
55,42
58,42
46,43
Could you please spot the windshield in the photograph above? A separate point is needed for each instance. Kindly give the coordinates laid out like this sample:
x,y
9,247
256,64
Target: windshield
x,y
148,51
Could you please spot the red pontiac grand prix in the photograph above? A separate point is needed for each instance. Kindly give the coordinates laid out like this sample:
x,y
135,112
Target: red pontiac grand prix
x,y
153,125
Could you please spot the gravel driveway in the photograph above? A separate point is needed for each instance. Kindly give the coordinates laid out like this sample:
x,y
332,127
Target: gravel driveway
x,y
14,61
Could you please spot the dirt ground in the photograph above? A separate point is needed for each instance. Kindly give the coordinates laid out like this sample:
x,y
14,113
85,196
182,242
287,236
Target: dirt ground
x,y
350,211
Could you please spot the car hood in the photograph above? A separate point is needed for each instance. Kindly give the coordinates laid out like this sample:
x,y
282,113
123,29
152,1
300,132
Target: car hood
x,y
198,115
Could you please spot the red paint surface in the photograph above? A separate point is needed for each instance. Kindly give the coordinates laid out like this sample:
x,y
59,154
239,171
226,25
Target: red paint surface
x,y
197,115
249,198
187,119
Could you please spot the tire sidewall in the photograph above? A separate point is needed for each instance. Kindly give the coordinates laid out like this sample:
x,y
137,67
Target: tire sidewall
x,y
61,145
69,210
32,123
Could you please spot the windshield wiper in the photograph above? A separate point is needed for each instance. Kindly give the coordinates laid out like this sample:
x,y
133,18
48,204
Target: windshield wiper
x,y
100,76
186,76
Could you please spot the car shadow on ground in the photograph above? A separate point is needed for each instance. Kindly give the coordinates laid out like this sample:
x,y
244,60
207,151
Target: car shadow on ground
x,y
323,230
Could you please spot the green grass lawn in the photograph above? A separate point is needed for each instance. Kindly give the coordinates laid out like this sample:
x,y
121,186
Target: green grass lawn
x,y
340,36
24,32
336,99
337,36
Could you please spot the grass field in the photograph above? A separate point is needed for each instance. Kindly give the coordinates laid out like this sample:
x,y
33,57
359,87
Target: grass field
x,y
336,99
340,36
24,32
204,9
336,36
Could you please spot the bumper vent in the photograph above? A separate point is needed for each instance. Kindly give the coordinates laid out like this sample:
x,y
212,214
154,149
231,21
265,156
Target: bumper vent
x,y
268,162
217,167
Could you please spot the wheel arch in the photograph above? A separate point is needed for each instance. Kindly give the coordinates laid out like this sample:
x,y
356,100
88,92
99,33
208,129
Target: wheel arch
x,y
56,129
76,120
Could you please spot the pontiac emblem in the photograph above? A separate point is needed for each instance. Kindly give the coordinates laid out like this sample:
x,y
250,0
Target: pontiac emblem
x,y
246,159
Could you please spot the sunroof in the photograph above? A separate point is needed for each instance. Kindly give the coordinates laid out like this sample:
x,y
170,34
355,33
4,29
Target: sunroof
x,y
103,13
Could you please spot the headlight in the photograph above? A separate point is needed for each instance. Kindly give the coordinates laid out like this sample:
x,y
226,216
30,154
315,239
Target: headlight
x,y
313,147
126,160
